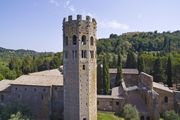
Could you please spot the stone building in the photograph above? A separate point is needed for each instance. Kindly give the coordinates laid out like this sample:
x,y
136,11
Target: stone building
x,y
41,92
70,93
79,47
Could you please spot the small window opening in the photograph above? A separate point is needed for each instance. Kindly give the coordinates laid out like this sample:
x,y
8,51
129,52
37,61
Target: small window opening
x,y
84,118
117,103
83,54
84,67
83,40
92,41
74,40
2,98
65,54
42,97
97,102
166,99
92,54
66,41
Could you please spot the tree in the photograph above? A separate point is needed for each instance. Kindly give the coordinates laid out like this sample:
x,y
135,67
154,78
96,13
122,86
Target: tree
x,y
157,71
169,72
11,111
106,75
99,79
119,75
18,116
1,77
130,112
171,115
131,60
140,64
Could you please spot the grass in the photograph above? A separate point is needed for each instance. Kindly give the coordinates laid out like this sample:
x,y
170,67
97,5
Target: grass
x,y
108,116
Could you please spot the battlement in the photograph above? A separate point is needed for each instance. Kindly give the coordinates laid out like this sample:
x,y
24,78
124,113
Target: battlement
x,y
79,18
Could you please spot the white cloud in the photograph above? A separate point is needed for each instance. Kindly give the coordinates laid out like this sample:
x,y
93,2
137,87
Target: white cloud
x,y
67,3
54,2
70,6
113,24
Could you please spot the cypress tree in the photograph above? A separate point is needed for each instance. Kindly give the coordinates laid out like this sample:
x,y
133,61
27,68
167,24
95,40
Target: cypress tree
x,y
131,60
106,75
169,72
119,71
140,64
157,71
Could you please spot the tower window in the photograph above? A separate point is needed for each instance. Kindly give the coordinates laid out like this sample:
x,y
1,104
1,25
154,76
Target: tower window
x,y
84,118
83,40
65,54
92,54
74,52
66,41
74,40
117,103
2,98
83,54
84,67
42,97
92,41
166,99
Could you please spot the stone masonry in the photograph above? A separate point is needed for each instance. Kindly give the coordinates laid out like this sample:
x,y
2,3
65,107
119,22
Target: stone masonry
x,y
79,47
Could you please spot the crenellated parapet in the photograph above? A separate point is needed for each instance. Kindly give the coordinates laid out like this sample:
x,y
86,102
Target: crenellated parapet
x,y
79,18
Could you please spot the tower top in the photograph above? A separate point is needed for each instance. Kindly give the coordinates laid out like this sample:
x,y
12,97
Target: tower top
x,y
79,18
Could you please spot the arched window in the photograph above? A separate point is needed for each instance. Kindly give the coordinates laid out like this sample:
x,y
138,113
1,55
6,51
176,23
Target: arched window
x,y
66,41
166,99
142,118
74,40
83,40
2,98
92,40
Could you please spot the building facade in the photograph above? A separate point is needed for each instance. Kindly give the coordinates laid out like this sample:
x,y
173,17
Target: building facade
x,y
79,47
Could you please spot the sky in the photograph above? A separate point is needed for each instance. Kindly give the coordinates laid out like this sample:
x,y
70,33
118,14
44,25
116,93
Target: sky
x,y
37,24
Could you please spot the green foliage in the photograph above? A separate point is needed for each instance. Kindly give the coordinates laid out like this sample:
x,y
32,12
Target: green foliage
x,y
15,63
7,111
18,116
131,60
108,116
158,71
130,112
1,77
140,63
119,75
106,76
169,72
171,115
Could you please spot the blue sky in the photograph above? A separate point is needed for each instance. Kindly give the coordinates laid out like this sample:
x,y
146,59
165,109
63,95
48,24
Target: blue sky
x,y
37,24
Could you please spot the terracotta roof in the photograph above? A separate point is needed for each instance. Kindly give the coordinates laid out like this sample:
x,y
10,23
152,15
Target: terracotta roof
x,y
4,84
124,71
161,86
44,78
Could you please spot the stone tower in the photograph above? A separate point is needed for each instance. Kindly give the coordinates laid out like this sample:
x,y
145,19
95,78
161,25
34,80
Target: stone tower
x,y
79,46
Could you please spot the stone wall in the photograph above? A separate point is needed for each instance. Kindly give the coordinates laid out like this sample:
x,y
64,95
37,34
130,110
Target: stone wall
x,y
130,79
79,46
109,103
147,80
177,101
165,101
